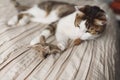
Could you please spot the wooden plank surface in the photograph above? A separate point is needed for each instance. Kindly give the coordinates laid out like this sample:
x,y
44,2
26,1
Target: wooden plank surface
x,y
92,60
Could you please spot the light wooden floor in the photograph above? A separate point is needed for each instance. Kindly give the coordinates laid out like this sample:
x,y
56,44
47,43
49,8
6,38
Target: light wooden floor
x,y
92,60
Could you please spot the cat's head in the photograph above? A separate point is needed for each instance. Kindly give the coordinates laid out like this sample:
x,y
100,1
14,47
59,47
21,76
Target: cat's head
x,y
94,17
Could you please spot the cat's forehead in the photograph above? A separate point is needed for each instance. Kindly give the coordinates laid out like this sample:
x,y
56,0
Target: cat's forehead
x,y
90,10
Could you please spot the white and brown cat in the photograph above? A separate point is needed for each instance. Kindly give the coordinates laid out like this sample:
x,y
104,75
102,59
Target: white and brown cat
x,y
66,21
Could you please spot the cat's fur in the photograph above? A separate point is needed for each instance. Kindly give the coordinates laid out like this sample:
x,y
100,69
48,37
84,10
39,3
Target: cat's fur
x,y
66,21
45,49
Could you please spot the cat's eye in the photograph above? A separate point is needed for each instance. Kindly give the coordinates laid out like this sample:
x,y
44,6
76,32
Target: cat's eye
x,y
91,28
78,26
87,31
98,32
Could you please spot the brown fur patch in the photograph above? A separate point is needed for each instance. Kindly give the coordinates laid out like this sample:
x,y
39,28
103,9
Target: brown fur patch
x,y
52,27
21,15
20,7
100,22
77,41
96,29
78,19
62,8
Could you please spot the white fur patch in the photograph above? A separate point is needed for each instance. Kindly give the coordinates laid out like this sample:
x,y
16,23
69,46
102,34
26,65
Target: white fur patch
x,y
35,41
23,21
82,25
52,17
36,11
66,26
61,46
66,30
87,36
45,33
40,15
13,21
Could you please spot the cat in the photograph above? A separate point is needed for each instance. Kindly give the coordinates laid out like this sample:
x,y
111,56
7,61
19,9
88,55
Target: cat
x,y
66,21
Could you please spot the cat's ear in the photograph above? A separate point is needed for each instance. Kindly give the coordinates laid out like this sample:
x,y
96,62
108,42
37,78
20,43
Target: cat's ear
x,y
82,8
78,8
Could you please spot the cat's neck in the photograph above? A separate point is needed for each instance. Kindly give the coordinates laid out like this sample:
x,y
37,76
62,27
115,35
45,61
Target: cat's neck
x,y
70,18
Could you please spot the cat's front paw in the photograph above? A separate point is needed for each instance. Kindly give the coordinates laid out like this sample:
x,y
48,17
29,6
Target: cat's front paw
x,y
61,46
77,41
35,41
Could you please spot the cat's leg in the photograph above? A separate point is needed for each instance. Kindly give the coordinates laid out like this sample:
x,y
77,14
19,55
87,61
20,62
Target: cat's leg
x,y
45,33
19,20
62,41
24,19
52,17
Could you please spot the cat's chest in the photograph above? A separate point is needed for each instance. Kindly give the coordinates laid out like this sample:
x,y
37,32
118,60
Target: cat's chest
x,y
67,27
81,32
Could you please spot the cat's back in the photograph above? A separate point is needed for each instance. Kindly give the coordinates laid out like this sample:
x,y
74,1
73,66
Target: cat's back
x,y
54,4
62,8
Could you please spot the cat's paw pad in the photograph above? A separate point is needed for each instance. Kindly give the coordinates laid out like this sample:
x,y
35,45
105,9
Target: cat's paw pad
x,y
35,41
61,46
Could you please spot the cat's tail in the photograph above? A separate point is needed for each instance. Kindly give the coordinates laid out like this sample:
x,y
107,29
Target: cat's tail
x,y
18,6
16,3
